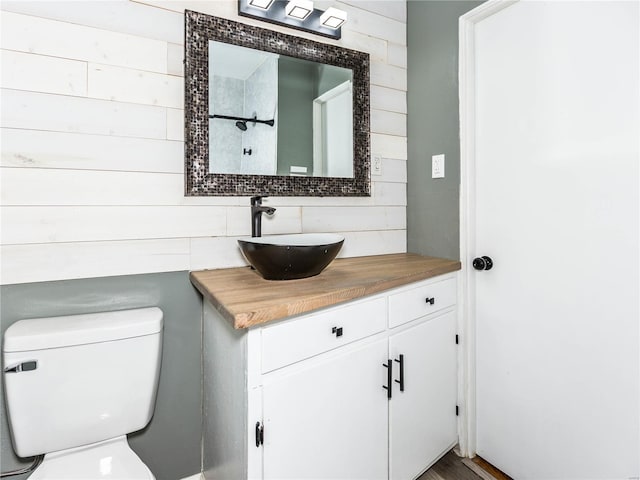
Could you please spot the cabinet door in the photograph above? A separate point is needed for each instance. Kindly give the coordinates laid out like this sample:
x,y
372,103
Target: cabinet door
x,y
422,423
327,418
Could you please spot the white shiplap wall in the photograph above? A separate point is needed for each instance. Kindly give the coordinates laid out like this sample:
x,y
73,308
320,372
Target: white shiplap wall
x,y
92,143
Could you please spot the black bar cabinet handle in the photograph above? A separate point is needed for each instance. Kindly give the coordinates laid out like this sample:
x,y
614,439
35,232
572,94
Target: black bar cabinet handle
x,y
430,300
389,367
400,360
259,434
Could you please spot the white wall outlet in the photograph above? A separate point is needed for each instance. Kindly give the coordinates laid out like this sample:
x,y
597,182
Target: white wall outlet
x,y
376,165
437,166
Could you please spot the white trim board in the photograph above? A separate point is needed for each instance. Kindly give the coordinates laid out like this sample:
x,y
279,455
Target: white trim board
x,y
466,76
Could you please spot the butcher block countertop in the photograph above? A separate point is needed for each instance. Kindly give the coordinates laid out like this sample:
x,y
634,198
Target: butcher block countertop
x,y
243,297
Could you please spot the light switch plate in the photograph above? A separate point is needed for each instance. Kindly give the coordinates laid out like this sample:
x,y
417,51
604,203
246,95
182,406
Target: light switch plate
x,y
437,166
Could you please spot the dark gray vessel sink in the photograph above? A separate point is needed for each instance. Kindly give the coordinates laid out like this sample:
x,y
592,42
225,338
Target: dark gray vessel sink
x,y
289,257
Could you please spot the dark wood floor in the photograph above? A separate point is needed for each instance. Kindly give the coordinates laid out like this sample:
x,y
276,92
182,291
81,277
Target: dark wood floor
x,y
490,469
452,467
449,467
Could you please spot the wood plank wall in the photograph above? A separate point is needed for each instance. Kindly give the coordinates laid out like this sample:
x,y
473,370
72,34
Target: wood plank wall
x,y
91,172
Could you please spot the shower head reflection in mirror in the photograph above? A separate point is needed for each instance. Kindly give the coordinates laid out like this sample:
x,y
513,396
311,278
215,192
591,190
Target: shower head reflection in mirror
x,y
241,123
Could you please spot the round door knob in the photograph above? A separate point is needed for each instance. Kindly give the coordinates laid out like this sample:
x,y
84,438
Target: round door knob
x,y
483,263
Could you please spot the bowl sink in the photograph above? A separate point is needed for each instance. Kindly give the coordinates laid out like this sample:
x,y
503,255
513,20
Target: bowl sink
x,y
289,257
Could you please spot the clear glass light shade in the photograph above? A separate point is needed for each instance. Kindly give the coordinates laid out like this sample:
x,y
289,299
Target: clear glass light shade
x,y
333,18
299,9
262,4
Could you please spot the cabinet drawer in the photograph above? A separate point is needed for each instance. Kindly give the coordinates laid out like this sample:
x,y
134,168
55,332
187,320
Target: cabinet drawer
x,y
418,302
312,334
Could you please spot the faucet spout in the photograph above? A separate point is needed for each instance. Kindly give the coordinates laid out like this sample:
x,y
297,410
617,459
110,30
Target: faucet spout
x,y
257,209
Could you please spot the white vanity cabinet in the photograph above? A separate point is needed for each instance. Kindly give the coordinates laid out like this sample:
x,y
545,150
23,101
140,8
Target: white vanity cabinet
x,y
326,419
323,414
422,422
311,396
422,413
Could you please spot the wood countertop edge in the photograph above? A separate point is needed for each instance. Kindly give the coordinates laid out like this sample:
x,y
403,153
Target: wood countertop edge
x,y
247,318
208,295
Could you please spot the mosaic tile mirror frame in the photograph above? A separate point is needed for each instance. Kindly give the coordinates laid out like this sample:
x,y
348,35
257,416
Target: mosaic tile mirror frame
x,y
199,30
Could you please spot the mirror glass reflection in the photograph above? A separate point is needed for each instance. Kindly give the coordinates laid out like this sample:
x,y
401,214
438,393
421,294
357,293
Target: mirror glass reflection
x,y
271,114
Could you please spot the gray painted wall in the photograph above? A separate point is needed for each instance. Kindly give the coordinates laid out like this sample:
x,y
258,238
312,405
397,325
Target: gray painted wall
x,y
296,91
433,126
170,445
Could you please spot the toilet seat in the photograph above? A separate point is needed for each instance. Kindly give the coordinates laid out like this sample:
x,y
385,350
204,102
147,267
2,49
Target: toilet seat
x,y
110,459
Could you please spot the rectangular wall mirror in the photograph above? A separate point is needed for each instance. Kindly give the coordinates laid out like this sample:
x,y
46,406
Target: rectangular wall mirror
x,y
269,113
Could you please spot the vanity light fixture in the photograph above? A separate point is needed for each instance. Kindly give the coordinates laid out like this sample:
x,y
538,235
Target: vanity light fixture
x,y
262,4
298,14
299,9
333,18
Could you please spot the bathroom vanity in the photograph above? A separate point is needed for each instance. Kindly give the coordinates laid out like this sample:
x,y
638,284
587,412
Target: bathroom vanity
x,y
350,374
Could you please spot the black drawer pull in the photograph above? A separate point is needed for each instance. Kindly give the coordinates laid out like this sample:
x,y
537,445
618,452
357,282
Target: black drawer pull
x,y
337,331
400,360
389,367
430,300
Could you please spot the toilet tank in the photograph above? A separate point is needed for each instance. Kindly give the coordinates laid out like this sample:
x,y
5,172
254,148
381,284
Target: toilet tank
x,y
80,379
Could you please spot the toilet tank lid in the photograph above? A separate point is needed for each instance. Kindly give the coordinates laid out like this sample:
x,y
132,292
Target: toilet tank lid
x,y
55,332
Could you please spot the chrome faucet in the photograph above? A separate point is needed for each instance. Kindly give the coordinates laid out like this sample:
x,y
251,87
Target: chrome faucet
x,y
256,215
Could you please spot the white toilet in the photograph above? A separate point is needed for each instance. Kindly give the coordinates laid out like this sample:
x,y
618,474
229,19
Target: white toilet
x,y
76,385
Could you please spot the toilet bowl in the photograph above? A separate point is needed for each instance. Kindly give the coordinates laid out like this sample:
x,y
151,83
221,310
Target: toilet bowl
x,y
76,385
108,459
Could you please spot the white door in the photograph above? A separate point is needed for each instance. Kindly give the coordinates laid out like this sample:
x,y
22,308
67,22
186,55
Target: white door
x,y
422,418
328,418
333,132
555,193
